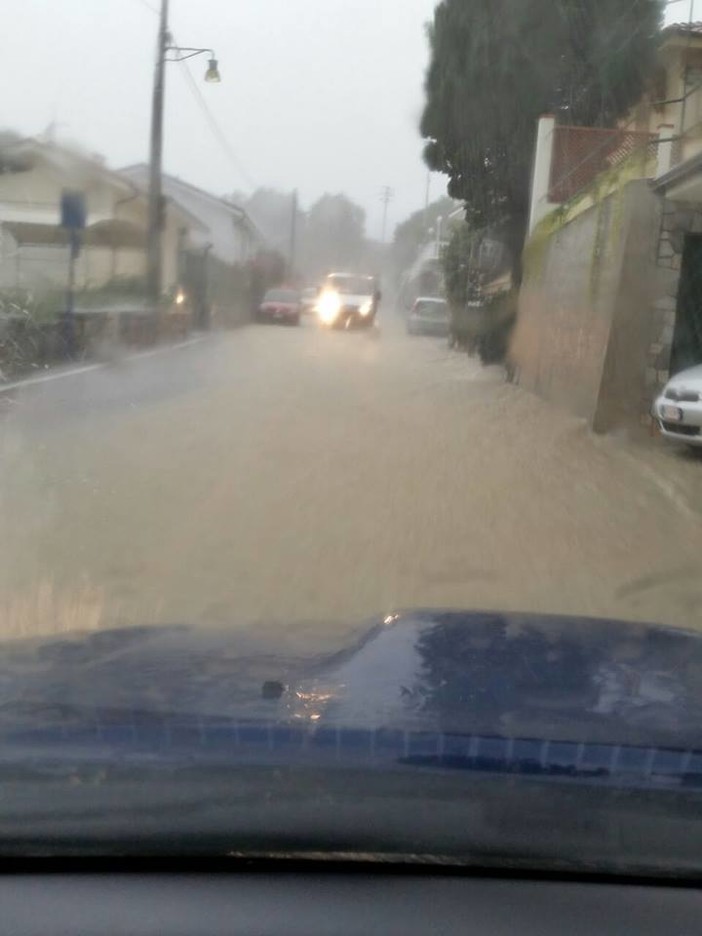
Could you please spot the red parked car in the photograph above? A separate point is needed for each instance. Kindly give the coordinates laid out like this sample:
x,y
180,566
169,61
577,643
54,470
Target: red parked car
x,y
280,305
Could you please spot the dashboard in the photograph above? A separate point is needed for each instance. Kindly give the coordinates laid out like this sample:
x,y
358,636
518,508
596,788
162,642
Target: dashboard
x,y
363,901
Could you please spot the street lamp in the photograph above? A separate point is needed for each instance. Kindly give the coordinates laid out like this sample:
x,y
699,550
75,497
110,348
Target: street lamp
x,y
165,52
212,74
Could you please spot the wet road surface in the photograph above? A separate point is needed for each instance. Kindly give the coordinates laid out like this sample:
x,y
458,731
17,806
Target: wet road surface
x,y
301,481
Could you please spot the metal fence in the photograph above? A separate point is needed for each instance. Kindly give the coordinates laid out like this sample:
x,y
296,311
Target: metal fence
x,y
582,153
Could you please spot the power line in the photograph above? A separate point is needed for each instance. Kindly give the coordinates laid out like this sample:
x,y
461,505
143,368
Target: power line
x,y
145,3
217,131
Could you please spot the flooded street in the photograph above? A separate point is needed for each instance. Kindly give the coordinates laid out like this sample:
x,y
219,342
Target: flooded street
x,y
301,481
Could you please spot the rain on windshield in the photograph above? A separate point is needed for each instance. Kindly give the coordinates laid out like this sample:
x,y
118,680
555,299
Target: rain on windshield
x,y
171,453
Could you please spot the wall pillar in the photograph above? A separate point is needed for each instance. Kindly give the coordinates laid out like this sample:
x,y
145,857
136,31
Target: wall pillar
x,y
541,177
665,149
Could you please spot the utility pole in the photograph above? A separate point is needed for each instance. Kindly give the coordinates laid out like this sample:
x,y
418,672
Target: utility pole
x,y
155,221
426,202
386,196
166,51
293,236
437,248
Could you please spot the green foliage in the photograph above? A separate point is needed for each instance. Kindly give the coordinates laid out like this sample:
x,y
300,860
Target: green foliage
x,y
496,67
37,307
413,232
460,269
478,322
117,289
499,316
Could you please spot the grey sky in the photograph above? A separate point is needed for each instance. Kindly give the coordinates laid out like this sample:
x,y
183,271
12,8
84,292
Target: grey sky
x,y
323,95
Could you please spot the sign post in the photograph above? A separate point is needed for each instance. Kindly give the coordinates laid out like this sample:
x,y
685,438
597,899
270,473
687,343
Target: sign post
x,y
73,217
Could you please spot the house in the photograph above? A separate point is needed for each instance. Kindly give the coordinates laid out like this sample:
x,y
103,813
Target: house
x,y
216,268
225,229
611,300
34,247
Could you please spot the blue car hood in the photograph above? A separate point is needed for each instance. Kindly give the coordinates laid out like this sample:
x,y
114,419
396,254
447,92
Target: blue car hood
x,y
503,675
505,740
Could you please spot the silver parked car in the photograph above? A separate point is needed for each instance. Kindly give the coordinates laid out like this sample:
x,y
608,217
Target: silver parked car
x,y
429,316
678,409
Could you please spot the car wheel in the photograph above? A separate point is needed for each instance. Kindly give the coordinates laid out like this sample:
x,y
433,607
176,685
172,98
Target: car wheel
x,y
295,320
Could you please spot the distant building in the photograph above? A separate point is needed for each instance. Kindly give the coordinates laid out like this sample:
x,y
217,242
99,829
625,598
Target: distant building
x,y
33,246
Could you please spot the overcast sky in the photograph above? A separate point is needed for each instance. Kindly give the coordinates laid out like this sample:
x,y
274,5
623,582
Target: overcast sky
x,y
322,95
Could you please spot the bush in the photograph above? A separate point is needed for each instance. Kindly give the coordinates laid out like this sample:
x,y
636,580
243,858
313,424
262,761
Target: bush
x,y
499,316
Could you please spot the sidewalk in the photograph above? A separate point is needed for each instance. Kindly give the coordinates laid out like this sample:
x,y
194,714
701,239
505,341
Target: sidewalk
x,y
47,374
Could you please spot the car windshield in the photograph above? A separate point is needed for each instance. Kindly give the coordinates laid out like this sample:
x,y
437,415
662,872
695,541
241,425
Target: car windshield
x,y
281,295
351,429
431,309
351,285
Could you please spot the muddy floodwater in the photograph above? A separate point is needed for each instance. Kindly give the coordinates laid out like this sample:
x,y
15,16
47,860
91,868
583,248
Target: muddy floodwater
x,y
300,481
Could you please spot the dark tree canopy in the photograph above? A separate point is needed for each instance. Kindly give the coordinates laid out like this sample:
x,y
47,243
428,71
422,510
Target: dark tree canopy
x,y
331,234
271,210
497,65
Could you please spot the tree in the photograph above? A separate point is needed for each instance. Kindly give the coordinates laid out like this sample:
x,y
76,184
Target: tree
x,y
496,66
271,211
482,317
333,236
460,268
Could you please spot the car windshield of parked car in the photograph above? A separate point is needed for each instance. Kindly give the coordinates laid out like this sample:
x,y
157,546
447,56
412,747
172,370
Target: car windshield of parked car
x,y
432,309
281,295
351,429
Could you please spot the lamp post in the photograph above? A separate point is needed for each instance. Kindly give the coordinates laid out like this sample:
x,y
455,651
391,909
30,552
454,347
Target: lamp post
x,y
165,52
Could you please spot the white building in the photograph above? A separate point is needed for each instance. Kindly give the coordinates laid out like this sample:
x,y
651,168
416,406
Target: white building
x,y
34,247
225,228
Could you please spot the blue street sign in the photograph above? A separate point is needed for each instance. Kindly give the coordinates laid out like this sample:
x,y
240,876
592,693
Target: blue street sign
x,y
73,210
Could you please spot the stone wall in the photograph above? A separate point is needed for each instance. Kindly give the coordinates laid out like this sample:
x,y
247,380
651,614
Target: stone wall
x,y
597,306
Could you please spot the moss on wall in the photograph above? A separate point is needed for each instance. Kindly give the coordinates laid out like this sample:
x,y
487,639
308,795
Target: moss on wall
x,y
608,184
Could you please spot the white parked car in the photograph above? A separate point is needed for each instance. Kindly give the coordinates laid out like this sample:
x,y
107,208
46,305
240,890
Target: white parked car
x,y
679,408
429,316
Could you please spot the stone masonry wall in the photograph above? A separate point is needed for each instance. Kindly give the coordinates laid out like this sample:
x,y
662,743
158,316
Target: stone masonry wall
x,y
597,306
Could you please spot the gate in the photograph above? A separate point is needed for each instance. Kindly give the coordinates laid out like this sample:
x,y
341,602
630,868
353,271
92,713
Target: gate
x,y
686,350
194,277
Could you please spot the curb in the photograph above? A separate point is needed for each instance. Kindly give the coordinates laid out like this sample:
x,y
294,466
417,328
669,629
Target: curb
x,y
52,374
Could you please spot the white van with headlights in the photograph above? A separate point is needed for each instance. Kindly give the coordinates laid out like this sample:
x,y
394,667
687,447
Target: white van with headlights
x,y
347,300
